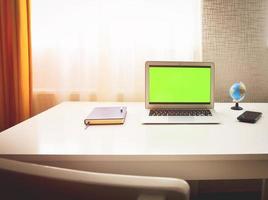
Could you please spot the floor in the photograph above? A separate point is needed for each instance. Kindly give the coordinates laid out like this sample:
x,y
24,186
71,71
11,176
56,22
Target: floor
x,y
226,189
229,196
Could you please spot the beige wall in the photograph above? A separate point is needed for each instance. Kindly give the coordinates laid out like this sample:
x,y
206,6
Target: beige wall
x,y
235,37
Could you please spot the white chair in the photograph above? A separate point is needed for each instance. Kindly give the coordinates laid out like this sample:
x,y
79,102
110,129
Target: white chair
x,y
20,180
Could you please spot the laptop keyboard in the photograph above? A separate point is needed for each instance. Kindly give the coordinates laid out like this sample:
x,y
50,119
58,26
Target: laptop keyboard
x,y
180,113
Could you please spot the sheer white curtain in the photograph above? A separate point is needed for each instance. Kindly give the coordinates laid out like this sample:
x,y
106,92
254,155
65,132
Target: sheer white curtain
x,y
96,49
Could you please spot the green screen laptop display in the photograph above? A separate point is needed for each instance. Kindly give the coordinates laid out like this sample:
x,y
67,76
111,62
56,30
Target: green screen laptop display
x,y
178,84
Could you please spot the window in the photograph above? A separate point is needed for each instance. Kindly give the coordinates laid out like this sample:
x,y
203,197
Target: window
x,y
96,49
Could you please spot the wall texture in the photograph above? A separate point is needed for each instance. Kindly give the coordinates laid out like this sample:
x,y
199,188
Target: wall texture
x,y
235,37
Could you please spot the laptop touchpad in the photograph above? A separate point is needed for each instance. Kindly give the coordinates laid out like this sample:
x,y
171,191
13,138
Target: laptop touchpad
x,y
181,119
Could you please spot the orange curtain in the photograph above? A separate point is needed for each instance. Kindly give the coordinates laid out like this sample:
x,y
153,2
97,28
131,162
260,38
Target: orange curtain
x,y
15,62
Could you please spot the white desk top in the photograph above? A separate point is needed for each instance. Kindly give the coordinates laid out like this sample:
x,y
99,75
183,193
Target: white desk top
x,y
60,131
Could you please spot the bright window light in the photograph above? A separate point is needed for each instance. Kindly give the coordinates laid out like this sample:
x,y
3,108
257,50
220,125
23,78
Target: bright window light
x,y
98,48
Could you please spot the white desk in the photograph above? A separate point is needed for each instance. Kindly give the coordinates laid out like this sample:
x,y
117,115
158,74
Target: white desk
x,y
231,150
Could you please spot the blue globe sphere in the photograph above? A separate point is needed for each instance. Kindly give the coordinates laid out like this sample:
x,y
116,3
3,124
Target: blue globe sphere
x,y
238,91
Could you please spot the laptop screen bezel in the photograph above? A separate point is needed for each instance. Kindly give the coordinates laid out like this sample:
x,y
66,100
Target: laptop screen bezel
x,y
204,105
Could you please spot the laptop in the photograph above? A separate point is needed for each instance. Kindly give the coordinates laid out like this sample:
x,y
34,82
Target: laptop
x,y
179,93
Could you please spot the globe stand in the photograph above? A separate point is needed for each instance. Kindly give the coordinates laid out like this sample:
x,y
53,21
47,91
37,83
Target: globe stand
x,y
236,107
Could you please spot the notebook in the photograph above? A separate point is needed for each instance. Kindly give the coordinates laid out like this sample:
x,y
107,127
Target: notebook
x,y
179,92
106,115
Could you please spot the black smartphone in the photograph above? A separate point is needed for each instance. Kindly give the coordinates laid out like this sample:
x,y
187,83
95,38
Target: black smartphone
x,y
249,116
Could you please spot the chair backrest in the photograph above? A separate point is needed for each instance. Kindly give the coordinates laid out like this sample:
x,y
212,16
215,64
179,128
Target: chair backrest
x,y
20,180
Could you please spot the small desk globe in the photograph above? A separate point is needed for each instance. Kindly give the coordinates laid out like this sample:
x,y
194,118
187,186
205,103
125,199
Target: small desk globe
x,y
237,92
